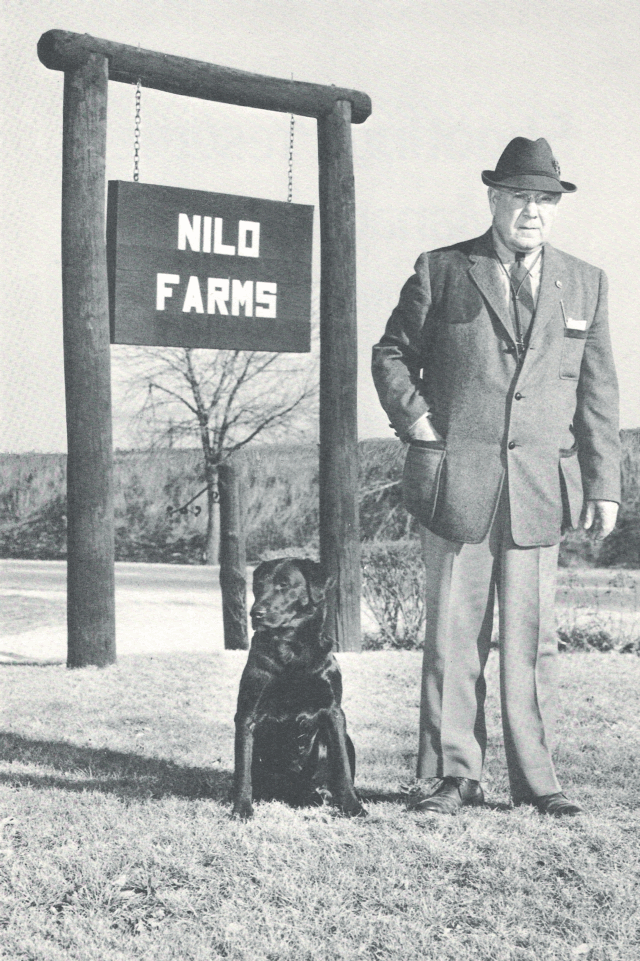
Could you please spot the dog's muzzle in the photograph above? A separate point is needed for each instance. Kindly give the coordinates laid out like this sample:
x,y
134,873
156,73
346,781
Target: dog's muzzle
x,y
257,615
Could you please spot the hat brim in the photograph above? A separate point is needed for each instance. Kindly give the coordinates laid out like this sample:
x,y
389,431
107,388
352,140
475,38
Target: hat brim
x,y
528,182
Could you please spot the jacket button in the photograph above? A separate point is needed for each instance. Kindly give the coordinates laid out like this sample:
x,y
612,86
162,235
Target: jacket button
x,y
511,444
518,396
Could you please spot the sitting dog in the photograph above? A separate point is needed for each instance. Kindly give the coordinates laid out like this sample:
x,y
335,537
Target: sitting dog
x,y
291,737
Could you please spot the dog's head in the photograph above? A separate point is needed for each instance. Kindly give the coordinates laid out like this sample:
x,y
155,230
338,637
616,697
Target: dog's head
x,y
288,592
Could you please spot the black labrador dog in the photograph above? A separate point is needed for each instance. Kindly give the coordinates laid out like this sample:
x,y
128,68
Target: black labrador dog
x,y
291,736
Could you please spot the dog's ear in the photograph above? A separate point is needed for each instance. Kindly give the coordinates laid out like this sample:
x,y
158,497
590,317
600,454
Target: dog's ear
x,y
257,573
260,573
317,583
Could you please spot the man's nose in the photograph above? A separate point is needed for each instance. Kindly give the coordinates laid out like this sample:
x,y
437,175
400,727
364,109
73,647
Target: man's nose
x,y
530,208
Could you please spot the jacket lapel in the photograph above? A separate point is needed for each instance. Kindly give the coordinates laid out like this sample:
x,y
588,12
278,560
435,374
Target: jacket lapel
x,y
484,273
548,307
550,292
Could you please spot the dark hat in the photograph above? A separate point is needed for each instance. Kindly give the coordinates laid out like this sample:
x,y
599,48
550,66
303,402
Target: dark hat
x,y
528,165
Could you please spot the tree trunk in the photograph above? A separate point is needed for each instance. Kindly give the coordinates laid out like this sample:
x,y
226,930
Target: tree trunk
x,y
212,537
233,554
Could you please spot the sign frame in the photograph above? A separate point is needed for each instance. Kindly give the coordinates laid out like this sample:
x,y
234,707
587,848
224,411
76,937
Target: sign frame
x,y
89,63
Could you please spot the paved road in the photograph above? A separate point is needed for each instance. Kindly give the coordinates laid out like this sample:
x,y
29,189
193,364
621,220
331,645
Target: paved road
x,y
168,607
51,576
159,608
614,590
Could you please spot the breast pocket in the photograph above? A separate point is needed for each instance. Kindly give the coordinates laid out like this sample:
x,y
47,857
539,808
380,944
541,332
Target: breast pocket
x,y
572,351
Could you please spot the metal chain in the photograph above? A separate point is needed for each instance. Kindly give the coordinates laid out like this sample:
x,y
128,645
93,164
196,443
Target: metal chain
x,y
292,124
136,135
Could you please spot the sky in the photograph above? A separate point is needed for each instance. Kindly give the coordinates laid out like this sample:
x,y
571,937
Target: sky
x,y
451,81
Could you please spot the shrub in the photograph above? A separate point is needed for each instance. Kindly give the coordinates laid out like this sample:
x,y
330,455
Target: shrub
x,y
42,535
622,547
585,639
393,585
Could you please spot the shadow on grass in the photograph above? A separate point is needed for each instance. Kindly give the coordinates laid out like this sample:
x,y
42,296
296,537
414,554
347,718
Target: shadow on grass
x,y
397,797
109,772
382,797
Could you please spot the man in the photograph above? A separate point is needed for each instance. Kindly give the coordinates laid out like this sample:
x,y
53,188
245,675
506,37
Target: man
x,y
496,368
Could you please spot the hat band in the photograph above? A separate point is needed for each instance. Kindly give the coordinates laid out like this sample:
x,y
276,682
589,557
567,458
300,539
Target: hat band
x,y
526,173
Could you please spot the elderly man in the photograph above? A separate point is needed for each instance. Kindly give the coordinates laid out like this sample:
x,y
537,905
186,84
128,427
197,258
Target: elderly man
x,y
496,368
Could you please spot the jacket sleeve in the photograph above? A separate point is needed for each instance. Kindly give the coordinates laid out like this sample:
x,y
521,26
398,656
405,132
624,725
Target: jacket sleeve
x,y
396,362
596,417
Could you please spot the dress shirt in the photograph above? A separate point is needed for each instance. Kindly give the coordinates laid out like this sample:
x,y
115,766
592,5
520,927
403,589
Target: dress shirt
x,y
532,261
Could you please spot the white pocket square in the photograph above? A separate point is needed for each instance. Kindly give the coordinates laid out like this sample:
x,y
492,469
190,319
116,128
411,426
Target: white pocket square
x,y
574,324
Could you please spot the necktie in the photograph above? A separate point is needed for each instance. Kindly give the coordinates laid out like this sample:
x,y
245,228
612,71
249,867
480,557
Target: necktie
x,y
522,303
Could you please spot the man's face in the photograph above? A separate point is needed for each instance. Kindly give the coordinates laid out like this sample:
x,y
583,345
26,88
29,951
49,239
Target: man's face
x,y
523,218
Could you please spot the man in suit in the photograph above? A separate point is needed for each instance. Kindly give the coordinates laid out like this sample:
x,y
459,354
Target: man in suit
x,y
496,369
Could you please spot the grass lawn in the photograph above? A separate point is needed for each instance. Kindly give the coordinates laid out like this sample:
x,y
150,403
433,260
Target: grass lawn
x,y
117,841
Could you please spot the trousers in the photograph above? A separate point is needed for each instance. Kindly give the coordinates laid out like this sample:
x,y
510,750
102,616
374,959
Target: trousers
x,y
462,583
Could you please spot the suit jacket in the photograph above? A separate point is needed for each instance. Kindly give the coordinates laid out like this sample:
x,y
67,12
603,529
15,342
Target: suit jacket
x,y
548,426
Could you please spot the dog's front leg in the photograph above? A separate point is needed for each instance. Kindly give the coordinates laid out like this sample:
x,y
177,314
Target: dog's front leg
x,y
342,789
242,790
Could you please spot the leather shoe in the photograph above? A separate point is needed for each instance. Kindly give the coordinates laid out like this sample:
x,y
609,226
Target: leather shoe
x,y
452,794
558,805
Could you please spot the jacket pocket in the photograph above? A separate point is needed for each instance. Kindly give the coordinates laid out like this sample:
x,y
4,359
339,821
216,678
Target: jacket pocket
x,y
421,480
572,351
570,488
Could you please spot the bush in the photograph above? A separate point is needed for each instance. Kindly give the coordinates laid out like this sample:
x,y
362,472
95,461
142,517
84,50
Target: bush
x,y
393,585
282,504
585,639
42,535
622,547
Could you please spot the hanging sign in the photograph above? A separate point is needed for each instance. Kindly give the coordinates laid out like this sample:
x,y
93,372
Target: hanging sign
x,y
193,269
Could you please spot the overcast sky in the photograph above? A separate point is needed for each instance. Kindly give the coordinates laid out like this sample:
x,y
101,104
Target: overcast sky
x,y
452,81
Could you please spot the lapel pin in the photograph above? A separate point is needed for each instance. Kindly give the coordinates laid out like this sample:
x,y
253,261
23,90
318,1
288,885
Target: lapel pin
x,y
558,283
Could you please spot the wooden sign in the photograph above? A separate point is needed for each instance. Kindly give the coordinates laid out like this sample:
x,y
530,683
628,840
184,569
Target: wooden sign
x,y
194,269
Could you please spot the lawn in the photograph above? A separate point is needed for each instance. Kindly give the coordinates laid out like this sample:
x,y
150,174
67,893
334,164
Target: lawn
x,y
117,842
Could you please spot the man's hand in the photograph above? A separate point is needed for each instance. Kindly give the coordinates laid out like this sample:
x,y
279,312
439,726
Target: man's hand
x,y
423,429
600,518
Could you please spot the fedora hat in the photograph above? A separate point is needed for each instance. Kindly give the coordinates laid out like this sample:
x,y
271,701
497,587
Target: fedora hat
x,y
528,165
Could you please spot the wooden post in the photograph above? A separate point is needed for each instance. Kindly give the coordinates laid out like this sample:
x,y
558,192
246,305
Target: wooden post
x,y
84,60
90,535
339,528
233,553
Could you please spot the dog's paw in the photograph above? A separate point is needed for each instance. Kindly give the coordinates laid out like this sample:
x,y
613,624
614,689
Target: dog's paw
x,y
353,808
243,810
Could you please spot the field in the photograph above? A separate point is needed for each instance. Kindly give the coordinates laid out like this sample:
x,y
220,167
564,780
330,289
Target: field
x,y
117,842
281,507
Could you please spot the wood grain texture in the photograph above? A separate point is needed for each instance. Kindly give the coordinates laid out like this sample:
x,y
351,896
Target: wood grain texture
x,y
62,50
233,553
90,534
339,525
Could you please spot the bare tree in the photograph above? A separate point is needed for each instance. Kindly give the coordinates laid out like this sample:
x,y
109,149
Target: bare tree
x,y
222,400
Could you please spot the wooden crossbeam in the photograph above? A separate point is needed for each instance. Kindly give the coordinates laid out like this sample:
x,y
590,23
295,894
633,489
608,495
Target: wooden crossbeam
x,y
62,50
